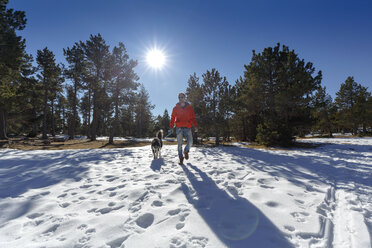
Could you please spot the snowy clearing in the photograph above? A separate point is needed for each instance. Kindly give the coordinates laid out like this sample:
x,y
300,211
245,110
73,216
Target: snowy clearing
x,y
221,197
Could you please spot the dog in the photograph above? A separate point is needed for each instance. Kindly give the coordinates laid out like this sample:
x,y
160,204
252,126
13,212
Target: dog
x,y
157,144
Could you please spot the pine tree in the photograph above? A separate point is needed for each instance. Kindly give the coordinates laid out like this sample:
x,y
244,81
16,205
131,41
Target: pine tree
x,y
165,121
277,89
50,76
28,102
97,55
212,87
12,52
123,80
195,96
351,101
128,117
75,72
245,119
85,109
322,112
368,125
225,109
61,113
143,113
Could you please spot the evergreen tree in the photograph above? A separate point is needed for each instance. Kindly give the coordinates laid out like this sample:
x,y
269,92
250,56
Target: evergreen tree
x,y
122,82
61,113
128,117
56,94
322,112
85,109
277,89
165,121
368,116
12,52
50,76
351,101
212,89
245,119
225,109
143,113
157,123
29,104
75,72
97,55
195,96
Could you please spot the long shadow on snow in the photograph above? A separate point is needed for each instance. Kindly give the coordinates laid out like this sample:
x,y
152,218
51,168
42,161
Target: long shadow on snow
x,y
235,221
24,170
328,164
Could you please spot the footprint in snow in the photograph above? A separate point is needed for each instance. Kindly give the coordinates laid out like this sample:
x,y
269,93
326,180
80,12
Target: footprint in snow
x,y
272,204
82,227
51,230
157,203
300,216
117,242
299,201
104,210
84,239
90,231
35,215
145,220
64,205
174,212
290,228
62,195
182,214
111,178
187,240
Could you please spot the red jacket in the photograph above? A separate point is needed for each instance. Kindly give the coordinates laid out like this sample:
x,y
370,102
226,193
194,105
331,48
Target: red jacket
x,y
184,117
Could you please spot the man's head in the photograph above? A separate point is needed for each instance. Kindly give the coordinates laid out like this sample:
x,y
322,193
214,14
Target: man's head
x,y
182,97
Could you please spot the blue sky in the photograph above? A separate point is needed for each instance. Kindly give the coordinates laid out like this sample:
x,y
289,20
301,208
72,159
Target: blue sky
x,y
198,35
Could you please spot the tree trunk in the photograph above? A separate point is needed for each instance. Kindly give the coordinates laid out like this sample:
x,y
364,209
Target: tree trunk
x,y
89,108
217,135
115,125
73,121
45,136
53,120
93,131
355,128
63,120
3,123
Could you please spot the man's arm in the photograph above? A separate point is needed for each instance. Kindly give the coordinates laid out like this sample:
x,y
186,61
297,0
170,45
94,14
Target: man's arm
x,y
193,120
173,117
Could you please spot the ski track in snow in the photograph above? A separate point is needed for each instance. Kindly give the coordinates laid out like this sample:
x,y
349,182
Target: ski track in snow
x,y
221,197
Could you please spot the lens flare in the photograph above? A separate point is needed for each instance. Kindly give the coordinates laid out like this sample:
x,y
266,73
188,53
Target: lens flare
x,y
238,223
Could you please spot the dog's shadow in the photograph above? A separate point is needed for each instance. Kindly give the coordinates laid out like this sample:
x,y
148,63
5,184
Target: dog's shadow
x,y
156,164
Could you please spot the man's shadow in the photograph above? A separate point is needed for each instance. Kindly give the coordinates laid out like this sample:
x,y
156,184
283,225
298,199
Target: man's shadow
x,y
234,220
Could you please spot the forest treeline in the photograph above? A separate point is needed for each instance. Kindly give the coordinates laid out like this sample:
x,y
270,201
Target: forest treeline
x,y
97,93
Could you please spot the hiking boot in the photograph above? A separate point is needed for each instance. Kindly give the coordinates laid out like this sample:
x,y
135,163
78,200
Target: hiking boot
x,y
181,161
186,155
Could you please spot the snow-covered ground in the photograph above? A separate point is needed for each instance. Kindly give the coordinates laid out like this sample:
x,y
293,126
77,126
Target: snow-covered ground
x,y
221,197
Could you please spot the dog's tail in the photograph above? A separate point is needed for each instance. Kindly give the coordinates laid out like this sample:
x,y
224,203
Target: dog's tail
x,y
160,134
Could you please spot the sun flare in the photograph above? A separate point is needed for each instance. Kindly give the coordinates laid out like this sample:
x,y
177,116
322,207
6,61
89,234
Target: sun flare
x,y
155,59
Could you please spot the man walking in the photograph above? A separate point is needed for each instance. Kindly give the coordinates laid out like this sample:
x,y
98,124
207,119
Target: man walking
x,y
183,116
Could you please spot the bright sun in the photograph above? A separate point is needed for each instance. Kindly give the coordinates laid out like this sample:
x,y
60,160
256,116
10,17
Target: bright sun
x,y
155,58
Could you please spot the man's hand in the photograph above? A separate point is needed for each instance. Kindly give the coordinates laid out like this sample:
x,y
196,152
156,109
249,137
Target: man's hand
x,y
195,129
